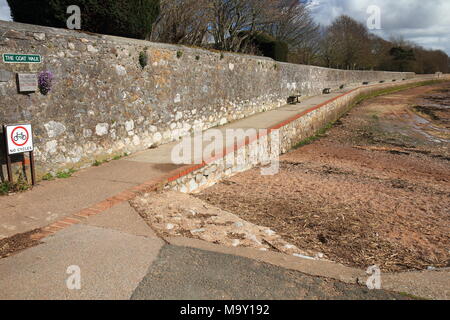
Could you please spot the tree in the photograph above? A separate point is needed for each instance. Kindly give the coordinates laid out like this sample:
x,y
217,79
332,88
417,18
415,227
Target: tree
x,y
293,24
127,18
351,43
235,25
181,22
380,56
229,18
266,45
347,44
402,57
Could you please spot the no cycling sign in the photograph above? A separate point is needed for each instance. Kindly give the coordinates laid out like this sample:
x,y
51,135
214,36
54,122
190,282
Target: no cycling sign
x,y
19,139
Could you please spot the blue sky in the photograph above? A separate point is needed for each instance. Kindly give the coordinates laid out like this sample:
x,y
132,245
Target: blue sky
x,y
426,22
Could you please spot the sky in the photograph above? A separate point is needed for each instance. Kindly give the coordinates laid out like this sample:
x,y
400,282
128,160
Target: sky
x,y
426,22
4,11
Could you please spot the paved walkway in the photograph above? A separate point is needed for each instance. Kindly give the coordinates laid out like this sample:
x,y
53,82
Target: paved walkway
x,y
52,201
119,257
113,251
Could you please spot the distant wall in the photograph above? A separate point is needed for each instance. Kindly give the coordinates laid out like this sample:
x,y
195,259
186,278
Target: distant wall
x,y
103,103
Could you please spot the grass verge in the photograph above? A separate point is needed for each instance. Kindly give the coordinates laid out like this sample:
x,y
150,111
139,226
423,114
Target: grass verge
x,y
411,296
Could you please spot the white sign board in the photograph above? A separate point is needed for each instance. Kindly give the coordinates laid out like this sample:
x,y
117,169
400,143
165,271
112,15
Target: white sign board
x,y
28,82
19,138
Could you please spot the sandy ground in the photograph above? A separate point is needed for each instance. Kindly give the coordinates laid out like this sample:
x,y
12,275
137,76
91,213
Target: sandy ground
x,y
373,190
18,242
175,214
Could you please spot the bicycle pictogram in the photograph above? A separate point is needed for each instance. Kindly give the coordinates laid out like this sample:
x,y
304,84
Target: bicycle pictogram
x,y
19,136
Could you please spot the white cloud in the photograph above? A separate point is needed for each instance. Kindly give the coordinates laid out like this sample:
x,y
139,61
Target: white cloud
x,y
5,13
425,22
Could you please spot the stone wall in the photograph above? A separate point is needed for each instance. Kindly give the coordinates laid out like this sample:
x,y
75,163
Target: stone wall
x,y
103,103
285,135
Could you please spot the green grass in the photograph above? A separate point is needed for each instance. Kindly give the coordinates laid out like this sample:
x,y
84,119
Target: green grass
x,y
59,175
5,188
19,186
411,296
386,91
98,163
48,177
118,157
65,174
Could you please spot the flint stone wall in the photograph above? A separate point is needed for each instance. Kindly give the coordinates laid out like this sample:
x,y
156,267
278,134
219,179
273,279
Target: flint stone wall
x,y
104,104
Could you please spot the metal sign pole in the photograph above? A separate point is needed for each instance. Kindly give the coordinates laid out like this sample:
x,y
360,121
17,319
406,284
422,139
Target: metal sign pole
x,y
33,171
8,159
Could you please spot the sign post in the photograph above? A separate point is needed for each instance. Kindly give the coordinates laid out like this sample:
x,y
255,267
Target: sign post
x,y
8,159
19,139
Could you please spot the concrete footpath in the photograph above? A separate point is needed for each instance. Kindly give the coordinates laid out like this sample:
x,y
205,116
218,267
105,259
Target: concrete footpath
x,y
119,257
87,222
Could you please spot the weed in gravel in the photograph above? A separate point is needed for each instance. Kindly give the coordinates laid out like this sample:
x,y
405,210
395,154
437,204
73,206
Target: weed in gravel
x,y
65,174
48,177
19,186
